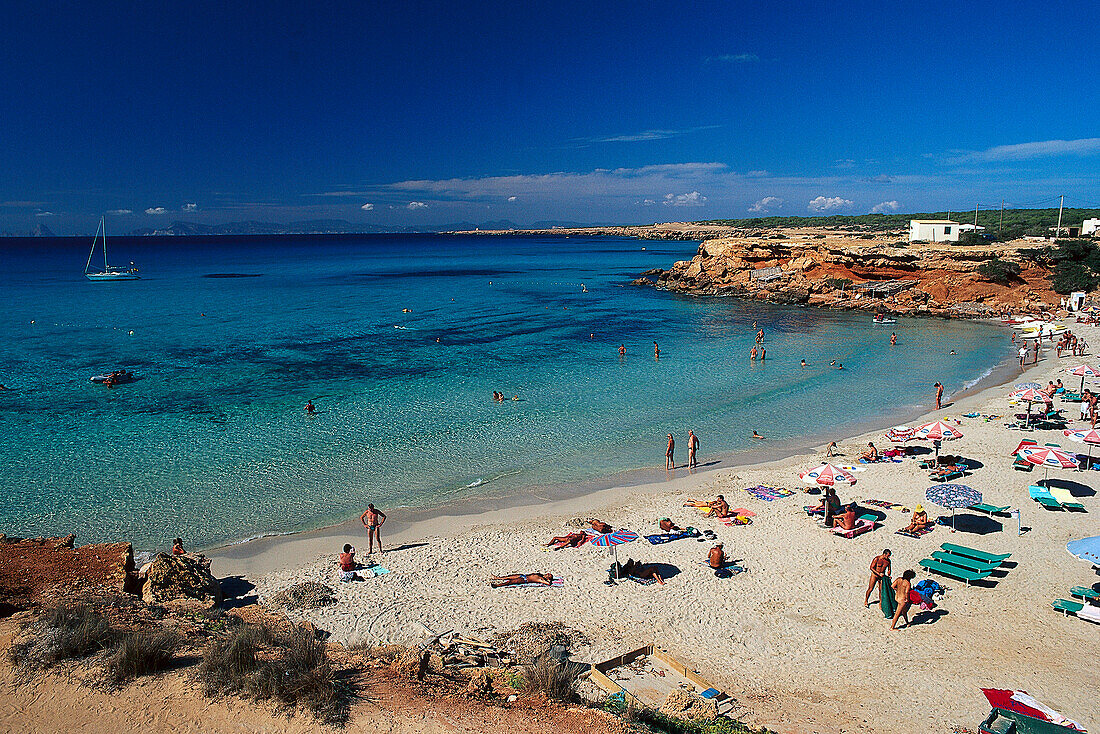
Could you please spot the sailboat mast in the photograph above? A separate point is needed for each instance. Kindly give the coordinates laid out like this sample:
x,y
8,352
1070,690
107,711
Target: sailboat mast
x,y
92,251
103,223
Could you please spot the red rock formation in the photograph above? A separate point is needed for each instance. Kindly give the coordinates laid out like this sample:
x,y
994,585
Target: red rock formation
x,y
39,570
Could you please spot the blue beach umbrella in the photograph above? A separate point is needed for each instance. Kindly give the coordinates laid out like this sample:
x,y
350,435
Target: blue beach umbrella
x,y
613,541
1087,549
952,496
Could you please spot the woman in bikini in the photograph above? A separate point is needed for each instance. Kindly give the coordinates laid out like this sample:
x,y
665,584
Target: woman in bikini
x,y
516,579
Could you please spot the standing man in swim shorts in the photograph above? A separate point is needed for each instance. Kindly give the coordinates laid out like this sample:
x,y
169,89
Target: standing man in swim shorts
x,y
693,445
372,520
670,463
939,395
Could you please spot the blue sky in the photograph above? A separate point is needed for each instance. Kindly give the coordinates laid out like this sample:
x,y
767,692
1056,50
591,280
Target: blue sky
x,y
421,113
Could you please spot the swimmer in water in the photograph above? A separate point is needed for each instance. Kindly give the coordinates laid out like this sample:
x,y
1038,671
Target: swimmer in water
x,y
310,410
763,354
752,355
894,339
803,364
622,350
656,351
757,435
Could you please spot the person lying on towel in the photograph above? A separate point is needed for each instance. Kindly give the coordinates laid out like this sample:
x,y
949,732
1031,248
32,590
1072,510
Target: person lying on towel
x,y
517,579
919,522
642,571
572,540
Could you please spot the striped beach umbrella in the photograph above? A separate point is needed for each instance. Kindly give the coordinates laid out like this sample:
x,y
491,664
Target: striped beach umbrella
x,y
1083,371
937,431
1030,395
827,475
952,496
1048,457
613,541
900,434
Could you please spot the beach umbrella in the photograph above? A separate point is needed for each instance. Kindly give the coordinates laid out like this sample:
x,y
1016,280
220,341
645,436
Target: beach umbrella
x,y
937,431
1030,395
1083,371
1090,437
952,496
900,434
1048,457
1087,549
828,475
613,541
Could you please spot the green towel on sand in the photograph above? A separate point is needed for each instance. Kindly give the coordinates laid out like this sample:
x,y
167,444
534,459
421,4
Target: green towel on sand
x,y
886,591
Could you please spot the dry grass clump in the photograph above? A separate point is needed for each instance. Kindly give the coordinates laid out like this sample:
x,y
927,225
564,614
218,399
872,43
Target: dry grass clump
x,y
555,680
63,633
306,595
290,667
138,654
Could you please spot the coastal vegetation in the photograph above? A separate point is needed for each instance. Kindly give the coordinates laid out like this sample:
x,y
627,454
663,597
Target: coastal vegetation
x,y
1014,224
999,271
1074,264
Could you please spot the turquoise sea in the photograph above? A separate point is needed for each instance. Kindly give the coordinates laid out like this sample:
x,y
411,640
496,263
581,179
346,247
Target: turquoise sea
x,y
212,442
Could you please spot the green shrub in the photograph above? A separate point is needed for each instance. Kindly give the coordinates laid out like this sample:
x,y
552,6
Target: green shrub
x,y
1076,266
837,282
999,271
140,653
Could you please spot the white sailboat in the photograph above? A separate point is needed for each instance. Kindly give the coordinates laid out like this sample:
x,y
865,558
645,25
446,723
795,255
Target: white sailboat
x,y
108,273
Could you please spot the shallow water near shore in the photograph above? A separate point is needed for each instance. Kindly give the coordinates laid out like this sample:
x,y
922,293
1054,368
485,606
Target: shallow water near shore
x,y
212,443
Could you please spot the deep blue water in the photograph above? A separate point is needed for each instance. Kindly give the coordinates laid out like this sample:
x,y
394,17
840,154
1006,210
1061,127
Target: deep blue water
x,y
212,442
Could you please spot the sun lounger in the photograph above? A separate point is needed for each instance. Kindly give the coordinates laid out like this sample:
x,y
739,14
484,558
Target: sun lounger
x,y
1067,607
1065,499
1044,497
988,509
1085,593
969,564
946,475
955,572
1090,613
1022,465
962,550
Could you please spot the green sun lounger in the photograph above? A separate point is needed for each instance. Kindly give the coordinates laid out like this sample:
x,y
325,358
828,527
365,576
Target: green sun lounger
x,y
1066,500
1021,465
962,550
969,564
1085,593
1067,607
955,572
988,509
1044,497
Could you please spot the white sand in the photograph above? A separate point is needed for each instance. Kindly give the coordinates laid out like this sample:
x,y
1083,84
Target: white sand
x,y
789,639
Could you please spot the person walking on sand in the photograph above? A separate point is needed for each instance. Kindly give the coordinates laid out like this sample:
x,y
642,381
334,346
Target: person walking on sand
x,y
902,587
880,567
693,446
670,463
939,395
372,520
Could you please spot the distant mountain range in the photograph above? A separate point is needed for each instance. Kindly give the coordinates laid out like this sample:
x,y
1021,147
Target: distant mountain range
x,y
328,226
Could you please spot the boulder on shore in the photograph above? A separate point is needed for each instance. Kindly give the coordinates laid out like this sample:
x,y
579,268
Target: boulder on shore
x,y
188,576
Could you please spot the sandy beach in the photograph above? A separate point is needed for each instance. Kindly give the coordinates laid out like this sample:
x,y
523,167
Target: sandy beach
x,y
789,638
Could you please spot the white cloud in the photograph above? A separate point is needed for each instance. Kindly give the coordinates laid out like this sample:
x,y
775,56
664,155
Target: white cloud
x,y
844,163
648,202
368,207
735,58
119,212
828,203
512,198
885,206
156,210
414,205
693,198
189,208
1027,151
766,204
44,214
644,135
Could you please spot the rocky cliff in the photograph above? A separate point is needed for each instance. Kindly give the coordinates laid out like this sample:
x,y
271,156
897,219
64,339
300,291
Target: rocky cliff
x,y
934,279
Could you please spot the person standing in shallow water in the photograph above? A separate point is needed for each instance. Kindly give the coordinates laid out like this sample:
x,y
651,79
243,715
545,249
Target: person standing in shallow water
x,y
372,520
939,395
693,446
656,351
670,462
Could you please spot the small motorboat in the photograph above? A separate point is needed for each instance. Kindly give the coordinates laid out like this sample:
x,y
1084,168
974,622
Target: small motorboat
x,y
883,320
118,377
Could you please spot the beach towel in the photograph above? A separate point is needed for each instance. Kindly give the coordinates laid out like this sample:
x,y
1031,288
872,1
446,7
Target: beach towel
x,y
660,538
362,574
886,505
768,494
736,520
556,583
643,582
927,529
743,512
887,602
731,569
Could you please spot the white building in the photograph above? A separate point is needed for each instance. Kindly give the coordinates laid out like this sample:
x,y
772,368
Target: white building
x,y
933,230
1090,226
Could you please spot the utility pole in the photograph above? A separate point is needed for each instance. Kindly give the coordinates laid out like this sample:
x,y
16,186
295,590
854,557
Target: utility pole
x,y
975,217
1002,219
1058,229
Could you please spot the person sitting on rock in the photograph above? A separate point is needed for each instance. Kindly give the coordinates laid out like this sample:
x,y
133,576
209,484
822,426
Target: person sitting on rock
x,y
177,547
